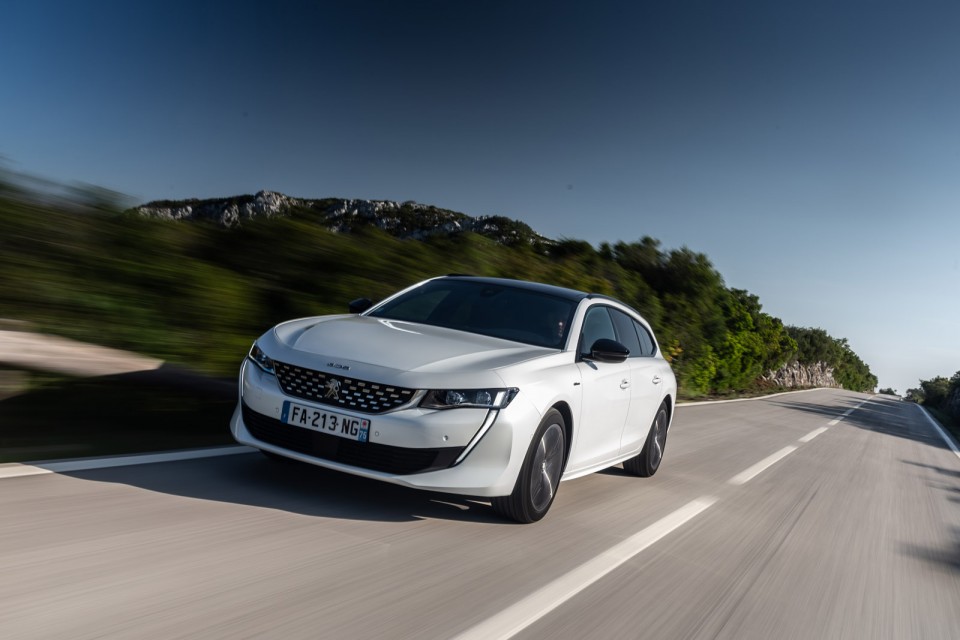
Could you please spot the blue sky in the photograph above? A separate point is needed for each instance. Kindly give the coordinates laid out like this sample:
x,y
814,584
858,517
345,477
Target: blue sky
x,y
811,150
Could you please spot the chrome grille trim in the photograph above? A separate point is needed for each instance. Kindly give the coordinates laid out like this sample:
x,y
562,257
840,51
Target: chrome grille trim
x,y
357,395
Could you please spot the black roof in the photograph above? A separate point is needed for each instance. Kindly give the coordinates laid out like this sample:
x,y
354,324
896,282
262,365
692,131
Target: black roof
x,y
549,289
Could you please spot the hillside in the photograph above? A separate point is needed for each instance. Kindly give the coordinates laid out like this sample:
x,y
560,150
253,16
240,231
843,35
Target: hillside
x,y
198,294
407,220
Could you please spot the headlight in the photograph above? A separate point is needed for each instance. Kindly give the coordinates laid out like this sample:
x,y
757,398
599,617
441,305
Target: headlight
x,y
475,398
260,359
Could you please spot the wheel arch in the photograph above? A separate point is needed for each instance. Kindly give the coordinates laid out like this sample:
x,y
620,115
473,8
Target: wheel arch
x,y
567,414
668,400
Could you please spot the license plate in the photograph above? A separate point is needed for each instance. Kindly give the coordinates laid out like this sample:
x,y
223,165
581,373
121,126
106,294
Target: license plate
x,y
335,424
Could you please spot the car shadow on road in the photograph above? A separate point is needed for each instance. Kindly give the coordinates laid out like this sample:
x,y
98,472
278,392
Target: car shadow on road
x,y
254,480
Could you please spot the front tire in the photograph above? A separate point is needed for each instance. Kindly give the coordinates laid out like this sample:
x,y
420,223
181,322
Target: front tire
x,y
646,463
540,475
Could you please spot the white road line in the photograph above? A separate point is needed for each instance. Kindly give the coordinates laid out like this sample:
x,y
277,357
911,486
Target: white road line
x,y
522,614
813,434
529,610
16,469
746,476
846,414
943,434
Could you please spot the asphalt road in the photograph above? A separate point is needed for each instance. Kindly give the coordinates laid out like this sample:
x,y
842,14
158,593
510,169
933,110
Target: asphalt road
x,y
760,524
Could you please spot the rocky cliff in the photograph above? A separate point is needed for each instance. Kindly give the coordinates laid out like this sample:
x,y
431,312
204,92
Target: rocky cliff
x,y
795,375
224,211
404,220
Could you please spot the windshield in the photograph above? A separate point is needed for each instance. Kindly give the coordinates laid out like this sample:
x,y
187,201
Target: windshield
x,y
496,310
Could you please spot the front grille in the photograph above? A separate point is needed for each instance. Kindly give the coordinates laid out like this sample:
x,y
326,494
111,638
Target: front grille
x,y
367,455
338,391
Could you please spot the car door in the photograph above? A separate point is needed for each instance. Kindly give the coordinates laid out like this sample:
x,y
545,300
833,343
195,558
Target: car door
x,y
646,375
605,400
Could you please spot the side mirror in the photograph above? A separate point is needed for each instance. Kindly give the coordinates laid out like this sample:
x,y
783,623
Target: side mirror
x,y
607,350
360,305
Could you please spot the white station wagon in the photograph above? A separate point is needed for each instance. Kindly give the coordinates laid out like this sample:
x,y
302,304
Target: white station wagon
x,y
476,386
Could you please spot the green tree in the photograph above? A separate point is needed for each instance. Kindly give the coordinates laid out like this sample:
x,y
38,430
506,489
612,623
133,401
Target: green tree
x,y
935,391
197,293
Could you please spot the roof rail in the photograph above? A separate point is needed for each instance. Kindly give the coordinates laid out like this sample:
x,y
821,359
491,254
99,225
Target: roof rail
x,y
600,296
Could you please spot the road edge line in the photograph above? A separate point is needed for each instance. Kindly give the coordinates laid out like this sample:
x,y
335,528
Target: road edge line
x,y
18,469
697,403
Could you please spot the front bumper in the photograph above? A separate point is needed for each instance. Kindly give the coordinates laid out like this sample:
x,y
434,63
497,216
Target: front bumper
x,y
464,451
368,455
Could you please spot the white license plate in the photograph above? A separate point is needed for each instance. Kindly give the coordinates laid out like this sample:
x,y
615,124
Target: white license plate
x,y
335,424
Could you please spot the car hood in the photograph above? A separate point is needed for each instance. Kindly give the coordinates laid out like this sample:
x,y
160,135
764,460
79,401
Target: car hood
x,y
402,346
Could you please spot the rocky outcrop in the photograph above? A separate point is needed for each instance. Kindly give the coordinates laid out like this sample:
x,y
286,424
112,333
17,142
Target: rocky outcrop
x,y
404,220
796,376
224,211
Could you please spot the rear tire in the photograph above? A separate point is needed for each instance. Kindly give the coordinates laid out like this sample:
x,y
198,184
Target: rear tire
x,y
646,463
539,477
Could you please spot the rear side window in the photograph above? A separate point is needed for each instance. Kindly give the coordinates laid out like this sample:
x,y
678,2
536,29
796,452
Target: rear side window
x,y
633,335
646,340
626,333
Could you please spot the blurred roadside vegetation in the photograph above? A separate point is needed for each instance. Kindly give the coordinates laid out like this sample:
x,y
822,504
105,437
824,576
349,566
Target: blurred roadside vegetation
x,y
941,396
197,294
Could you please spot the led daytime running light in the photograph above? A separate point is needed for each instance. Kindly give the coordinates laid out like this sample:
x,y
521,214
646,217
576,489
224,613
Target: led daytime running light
x,y
472,398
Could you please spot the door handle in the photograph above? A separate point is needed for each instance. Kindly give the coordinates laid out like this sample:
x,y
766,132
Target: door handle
x,y
624,384
656,380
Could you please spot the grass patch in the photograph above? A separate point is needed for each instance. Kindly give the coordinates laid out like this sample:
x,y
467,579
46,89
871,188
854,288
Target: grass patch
x,y
52,417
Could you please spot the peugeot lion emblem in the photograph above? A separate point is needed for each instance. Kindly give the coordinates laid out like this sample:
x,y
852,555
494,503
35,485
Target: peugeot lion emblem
x,y
332,389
